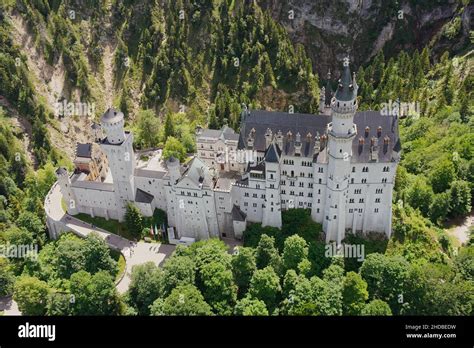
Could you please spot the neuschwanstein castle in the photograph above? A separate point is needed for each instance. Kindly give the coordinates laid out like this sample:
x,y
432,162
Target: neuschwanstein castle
x,y
340,164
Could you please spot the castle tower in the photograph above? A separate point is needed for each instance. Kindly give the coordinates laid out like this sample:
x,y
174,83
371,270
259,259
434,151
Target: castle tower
x,y
341,132
272,209
118,146
64,182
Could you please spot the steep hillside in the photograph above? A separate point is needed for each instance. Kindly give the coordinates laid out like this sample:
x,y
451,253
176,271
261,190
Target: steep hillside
x,y
361,28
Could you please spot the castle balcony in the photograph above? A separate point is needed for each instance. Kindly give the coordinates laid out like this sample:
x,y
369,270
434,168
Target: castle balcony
x,y
350,134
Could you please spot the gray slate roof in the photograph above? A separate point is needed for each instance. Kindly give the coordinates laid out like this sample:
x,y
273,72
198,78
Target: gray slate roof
x,y
273,153
225,133
111,115
345,90
154,174
143,197
237,214
84,150
198,172
317,124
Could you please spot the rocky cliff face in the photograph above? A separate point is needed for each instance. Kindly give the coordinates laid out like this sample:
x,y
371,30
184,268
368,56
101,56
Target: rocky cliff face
x,y
331,30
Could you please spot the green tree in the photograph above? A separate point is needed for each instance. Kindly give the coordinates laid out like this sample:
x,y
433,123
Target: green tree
x,y
460,200
439,208
354,294
174,148
178,270
420,195
243,266
18,236
379,64
295,251
442,175
385,277
7,279
169,126
31,294
97,256
94,295
146,285
377,307
464,262
69,255
134,220
184,300
33,224
249,306
218,287
59,304
266,253
265,286
425,59
148,129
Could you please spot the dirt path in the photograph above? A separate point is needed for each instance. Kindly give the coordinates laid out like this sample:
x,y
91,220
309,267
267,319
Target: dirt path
x,y
109,52
459,228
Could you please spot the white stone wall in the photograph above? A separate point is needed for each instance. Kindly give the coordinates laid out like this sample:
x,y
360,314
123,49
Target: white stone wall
x,y
154,187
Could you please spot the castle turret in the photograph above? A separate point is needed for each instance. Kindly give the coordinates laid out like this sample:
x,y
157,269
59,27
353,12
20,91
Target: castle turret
x,y
64,182
272,209
118,146
113,122
341,132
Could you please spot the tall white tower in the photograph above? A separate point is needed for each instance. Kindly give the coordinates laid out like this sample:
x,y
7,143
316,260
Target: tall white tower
x,y
272,210
64,182
118,146
341,132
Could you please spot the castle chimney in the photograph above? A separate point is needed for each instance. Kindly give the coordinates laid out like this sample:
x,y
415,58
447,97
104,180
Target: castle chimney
x,y
279,140
317,144
268,137
298,144
374,149
251,138
322,100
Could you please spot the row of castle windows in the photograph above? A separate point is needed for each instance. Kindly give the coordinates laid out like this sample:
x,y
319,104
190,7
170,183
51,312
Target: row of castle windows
x,y
301,194
303,163
361,200
189,194
366,169
292,183
359,191
302,174
308,204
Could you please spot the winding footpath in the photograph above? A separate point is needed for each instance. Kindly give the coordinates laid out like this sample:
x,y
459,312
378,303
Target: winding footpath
x,y
135,253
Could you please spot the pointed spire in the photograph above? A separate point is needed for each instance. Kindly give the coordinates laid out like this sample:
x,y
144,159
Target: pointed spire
x,y
273,153
345,89
328,90
354,82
